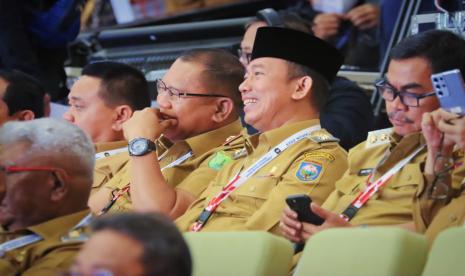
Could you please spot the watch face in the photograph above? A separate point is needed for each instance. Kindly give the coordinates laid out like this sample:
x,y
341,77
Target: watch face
x,y
139,147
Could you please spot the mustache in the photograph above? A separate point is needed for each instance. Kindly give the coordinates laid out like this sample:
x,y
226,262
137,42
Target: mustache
x,y
400,116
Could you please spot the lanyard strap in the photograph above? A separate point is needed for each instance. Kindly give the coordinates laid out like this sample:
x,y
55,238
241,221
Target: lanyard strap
x,y
373,187
108,153
242,177
32,238
126,188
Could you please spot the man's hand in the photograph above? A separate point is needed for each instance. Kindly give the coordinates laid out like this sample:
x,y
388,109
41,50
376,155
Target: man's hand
x,y
146,123
332,220
290,227
297,231
326,25
430,126
364,17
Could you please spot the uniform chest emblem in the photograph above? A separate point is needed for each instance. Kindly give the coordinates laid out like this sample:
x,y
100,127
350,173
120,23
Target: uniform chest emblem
x,y
308,171
219,160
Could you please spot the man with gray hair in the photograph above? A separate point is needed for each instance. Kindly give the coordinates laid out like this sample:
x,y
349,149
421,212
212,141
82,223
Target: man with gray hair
x,y
46,169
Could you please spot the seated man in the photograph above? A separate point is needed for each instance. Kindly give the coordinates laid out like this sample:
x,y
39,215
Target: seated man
x,y
347,113
283,90
46,168
134,244
386,170
439,203
101,100
198,99
21,97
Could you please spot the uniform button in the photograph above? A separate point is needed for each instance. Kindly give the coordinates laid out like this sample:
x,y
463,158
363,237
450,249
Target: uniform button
x,y
452,217
409,177
252,188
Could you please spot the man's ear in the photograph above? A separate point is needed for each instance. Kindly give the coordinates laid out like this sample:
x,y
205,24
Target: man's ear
x,y
59,186
303,88
224,108
23,115
122,113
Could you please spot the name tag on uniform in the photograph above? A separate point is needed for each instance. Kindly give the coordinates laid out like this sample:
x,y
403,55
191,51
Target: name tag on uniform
x,y
365,172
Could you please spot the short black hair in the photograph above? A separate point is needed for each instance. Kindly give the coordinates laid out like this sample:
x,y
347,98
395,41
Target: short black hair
x,y
165,251
121,84
443,50
23,92
223,72
320,86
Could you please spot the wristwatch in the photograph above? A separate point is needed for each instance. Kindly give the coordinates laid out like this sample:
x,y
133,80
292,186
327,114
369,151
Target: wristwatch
x,y
140,146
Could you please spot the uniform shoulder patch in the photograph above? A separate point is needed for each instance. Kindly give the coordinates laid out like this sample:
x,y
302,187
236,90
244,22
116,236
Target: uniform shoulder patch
x,y
378,137
321,136
219,160
308,171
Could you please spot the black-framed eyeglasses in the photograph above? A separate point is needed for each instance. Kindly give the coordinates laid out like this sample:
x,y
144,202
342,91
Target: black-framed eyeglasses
x,y
390,93
244,55
176,93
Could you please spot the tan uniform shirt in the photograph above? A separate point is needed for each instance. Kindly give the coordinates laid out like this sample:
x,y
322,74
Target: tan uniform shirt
x,y
311,166
431,216
393,203
54,253
106,167
202,148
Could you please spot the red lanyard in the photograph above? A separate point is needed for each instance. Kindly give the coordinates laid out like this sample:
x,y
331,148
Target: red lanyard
x,y
373,187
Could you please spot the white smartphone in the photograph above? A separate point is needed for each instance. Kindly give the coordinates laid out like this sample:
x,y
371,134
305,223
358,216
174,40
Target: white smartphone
x,y
450,90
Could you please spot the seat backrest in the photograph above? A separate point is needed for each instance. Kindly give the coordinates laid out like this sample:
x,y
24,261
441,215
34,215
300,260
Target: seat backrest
x,y
447,255
239,253
363,251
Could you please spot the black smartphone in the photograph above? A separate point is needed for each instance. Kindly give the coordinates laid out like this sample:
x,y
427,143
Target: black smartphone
x,y
301,205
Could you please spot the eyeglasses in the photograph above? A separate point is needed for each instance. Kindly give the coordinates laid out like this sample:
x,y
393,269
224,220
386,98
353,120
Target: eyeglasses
x,y
389,93
442,167
18,169
177,94
244,55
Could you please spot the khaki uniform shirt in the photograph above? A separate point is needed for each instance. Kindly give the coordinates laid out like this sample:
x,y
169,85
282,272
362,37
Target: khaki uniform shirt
x,y
55,252
106,167
393,203
202,148
434,215
311,166
453,214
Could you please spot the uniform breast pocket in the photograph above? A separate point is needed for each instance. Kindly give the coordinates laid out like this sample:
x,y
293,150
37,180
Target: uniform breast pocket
x,y
350,184
404,183
255,191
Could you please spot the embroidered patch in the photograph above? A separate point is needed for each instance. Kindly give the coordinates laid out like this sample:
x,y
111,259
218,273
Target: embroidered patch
x,y
364,172
219,160
319,155
308,171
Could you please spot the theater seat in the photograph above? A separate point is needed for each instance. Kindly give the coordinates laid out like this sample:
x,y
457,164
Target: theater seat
x,y
363,252
239,253
447,256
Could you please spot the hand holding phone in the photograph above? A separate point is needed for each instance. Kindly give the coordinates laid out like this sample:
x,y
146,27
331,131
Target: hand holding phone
x,y
450,90
301,205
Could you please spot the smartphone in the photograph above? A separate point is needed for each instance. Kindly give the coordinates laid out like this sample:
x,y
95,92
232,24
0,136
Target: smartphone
x,y
301,205
450,90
